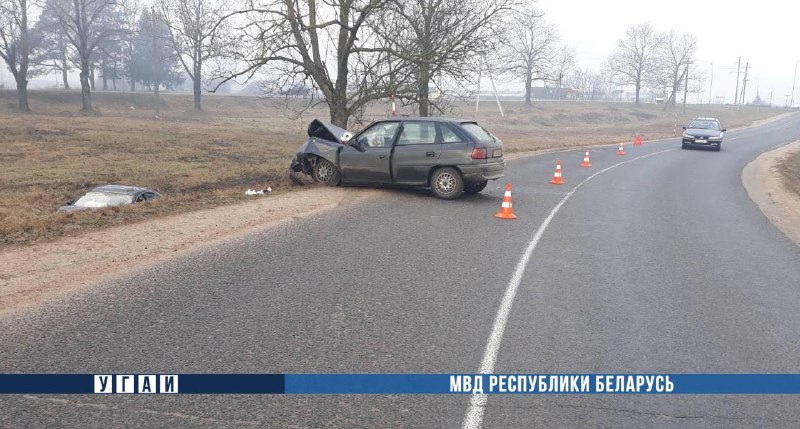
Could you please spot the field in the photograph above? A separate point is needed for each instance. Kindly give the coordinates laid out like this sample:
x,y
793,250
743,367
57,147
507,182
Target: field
x,y
790,170
210,158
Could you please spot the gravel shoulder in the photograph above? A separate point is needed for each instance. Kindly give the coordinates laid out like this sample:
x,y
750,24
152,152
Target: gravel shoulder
x,y
766,187
31,274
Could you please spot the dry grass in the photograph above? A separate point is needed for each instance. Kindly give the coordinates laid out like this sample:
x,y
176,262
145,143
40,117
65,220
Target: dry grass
x,y
210,158
790,171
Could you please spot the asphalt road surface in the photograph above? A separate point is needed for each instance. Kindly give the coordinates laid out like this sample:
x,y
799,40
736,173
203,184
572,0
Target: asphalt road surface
x,y
658,265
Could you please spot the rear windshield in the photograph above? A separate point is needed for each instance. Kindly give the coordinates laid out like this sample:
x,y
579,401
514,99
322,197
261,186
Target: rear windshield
x,y
477,132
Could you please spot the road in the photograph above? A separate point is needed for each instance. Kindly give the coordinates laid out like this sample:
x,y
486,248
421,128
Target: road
x,y
659,264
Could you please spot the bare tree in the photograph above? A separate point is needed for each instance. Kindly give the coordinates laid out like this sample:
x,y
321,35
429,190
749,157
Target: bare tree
x,y
529,45
580,80
82,21
325,44
676,52
561,64
635,57
15,45
440,38
195,26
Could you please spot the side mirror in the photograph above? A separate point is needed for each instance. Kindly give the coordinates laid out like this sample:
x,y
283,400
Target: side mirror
x,y
724,129
358,144
683,128
70,202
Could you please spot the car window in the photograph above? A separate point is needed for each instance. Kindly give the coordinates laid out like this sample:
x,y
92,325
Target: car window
x,y
448,135
477,132
379,135
418,133
704,125
150,196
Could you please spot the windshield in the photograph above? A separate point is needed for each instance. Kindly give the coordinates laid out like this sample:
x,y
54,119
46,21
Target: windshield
x,y
704,125
478,132
100,199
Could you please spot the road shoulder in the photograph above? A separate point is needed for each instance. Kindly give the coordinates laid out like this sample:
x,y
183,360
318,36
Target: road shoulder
x,y
765,185
31,274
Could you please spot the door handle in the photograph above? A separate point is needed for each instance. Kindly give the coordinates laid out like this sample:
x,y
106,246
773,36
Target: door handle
x,y
430,154
382,157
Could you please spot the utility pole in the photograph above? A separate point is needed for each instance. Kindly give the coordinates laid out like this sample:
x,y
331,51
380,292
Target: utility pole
x,y
738,66
744,82
685,86
711,85
770,99
791,104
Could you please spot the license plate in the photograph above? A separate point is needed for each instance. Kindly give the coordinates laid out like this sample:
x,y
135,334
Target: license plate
x,y
700,141
497,153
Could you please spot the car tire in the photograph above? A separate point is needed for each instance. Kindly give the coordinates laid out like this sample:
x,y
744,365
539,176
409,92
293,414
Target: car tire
x,y
718,148
683,146
475,187
447,183
325,172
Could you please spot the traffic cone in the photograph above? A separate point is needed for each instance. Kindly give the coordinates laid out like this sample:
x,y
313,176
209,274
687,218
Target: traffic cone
x,y
505,210
586,162
637,141
621,150
557,180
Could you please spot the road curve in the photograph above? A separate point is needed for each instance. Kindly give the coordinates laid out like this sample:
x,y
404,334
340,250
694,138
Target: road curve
x,y
662,264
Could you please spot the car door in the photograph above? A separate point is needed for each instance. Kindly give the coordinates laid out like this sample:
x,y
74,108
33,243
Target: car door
x,y
368,159
416,151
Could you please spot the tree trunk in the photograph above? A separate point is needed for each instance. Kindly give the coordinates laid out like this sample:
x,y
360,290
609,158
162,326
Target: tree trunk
x,y
423,96
91,77
104,69
22,94
133,85
196,88
638,87
64,69
338,108
528,88
86,91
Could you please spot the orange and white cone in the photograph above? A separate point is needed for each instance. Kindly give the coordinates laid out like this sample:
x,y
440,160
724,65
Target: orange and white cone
x,y
637,141
586,162
506,211
557,180
621,150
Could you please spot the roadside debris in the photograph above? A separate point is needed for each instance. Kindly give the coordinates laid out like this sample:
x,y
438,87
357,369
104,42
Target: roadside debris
x,y
259,192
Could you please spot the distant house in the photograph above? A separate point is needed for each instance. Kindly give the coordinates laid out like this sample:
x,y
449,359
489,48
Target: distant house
x,y
544,93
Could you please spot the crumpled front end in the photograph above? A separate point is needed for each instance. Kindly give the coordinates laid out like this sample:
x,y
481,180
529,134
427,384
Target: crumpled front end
x,y
324,141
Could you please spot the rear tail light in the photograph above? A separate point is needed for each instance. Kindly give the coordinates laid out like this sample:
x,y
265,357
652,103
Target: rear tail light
x,y
478,153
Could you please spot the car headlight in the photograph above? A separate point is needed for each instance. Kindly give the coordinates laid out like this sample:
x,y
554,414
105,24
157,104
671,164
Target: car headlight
x,y
715,138
688,136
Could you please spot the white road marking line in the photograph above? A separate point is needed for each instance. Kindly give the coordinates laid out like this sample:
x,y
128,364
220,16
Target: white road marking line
x,y
474,417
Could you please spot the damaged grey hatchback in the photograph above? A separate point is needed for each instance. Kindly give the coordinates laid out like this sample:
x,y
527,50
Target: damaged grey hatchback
x,y
450,156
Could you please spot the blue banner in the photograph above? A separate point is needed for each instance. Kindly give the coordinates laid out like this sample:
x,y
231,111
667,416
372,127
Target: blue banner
x,y
399,384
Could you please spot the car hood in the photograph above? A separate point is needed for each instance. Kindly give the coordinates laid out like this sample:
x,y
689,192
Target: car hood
x,y
325,131
700,132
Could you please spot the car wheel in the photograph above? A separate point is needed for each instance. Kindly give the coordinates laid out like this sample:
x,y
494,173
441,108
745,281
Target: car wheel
x,y
475,187
325,172
719,148
447,183
683,146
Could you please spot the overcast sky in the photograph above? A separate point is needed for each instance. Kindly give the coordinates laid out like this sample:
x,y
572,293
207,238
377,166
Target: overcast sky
x,y
765,33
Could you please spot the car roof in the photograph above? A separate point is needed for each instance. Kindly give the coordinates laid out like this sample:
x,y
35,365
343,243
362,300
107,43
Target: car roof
x,y
428,119
120,189
705,119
